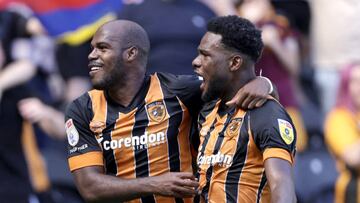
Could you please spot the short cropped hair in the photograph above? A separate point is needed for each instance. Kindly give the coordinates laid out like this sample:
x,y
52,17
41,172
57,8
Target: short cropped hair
x,y
239,34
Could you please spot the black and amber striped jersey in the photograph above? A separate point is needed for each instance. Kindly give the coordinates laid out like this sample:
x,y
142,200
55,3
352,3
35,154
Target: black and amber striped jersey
x,y
148,138
234,145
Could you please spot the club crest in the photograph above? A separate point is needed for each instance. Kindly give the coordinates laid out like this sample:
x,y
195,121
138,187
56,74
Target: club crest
x,y
156,111
234,127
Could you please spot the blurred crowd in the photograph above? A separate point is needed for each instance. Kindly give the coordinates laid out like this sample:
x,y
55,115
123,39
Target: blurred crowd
x,y
312,55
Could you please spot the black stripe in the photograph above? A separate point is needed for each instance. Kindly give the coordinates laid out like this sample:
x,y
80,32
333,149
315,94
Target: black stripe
x,y
111,117
261,187
217,146
174,109
351,189
175,112
205,191
233,176
141,154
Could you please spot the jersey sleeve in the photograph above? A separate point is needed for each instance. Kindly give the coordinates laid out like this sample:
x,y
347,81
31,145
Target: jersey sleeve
x,y
83,148
341,130
186,88
273,131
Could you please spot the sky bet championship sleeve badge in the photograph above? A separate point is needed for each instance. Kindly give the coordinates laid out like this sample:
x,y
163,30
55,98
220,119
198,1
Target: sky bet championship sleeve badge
x,y
286,131
156,111
72,133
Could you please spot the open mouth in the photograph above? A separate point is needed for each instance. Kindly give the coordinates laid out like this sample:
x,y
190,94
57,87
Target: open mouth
x,y
202,85
95,67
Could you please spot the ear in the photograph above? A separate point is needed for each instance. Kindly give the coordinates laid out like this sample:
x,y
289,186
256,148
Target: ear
x,y
130,54
236,62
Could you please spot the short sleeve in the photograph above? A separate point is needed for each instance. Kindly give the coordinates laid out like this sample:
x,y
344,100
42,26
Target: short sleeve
x,y
83,148
273,131
340,130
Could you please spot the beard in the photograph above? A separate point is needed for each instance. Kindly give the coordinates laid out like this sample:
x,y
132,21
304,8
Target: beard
x,y
111,79
214,90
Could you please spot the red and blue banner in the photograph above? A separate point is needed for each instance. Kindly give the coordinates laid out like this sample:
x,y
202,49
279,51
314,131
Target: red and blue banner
x,y
73,21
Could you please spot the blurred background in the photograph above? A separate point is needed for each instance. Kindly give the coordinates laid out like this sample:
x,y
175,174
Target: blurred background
x,y
312,55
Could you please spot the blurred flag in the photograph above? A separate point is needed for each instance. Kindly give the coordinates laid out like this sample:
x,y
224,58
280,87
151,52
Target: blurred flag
x,y
72,21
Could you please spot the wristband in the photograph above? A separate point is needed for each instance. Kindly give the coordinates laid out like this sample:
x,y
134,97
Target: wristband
x,y
270,83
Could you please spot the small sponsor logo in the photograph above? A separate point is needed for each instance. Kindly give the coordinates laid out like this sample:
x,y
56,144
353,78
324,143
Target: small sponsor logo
x,y
234,127
78,149
136,142
286,131
156,111
222,160
71,132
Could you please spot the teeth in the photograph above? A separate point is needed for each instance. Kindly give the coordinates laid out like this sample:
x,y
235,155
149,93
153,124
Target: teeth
x,y
200,78
95,68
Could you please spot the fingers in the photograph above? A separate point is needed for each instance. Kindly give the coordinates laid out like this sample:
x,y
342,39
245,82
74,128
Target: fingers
x,y
238,99
260,103
184,191
185,175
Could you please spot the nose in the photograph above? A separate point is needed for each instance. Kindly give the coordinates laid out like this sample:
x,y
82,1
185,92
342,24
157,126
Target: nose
x,y
93,54
196,63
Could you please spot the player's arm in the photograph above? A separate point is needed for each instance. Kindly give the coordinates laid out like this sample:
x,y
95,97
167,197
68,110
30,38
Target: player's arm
x,y
95,186
279,174
254,93
275,136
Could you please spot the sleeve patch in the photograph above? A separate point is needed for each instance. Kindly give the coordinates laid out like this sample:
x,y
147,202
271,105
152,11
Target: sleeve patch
x,y
71,132
286,131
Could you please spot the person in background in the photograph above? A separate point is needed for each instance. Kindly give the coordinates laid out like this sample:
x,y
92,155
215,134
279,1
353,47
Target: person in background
x,y
342,134
175,28
280,60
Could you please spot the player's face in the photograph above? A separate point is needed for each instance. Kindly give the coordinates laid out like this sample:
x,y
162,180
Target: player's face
x,y
105,60
354,86
211,64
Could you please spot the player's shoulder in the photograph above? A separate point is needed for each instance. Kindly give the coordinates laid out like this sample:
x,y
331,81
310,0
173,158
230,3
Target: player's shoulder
x,y
169,77
268,114
81,103
270,107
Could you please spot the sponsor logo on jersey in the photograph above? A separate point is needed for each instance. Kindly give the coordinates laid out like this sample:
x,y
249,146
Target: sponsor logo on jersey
x,y
234,127
219,159
71,132
156,111
136,142
78,149
286,131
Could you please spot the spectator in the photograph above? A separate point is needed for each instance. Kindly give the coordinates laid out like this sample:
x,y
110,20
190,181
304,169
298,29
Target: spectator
x,y
280,59
342,133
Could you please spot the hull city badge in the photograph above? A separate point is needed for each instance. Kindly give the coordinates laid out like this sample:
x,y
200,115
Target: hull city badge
x,y
234,127
156,111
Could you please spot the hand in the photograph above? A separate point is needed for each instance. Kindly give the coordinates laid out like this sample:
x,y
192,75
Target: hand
x,y
176,184
32,109
253,94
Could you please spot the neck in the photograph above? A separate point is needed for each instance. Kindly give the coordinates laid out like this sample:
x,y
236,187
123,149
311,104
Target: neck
x,y
125,91
236,83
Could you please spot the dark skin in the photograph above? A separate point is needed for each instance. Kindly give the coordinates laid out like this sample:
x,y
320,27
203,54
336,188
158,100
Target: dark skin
x,y
118,64
215,63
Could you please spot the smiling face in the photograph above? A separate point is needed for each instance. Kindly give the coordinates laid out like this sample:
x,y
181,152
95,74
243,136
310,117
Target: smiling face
x,y
354,86
212,65
105,59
